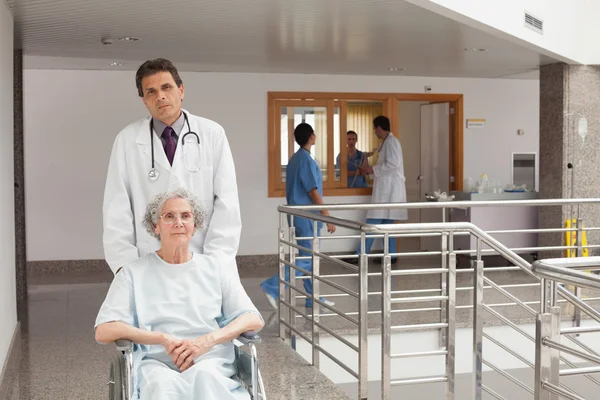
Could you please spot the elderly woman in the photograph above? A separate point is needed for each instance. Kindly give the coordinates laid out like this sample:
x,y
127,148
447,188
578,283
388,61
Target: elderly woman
x,y
181,309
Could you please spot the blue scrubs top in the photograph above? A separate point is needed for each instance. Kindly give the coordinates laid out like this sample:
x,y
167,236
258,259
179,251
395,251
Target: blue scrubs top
x,y
302,175
353,164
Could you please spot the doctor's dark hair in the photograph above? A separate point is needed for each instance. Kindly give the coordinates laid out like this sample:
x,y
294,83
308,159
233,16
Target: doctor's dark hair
x,y
352,133
152,67
382,122
154,209
302,133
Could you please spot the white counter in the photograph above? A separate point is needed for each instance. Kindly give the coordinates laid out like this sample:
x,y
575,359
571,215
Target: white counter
x,y
498,218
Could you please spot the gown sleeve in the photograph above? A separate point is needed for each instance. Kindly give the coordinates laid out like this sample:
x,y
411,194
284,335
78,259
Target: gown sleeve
x,y
119,304
235,299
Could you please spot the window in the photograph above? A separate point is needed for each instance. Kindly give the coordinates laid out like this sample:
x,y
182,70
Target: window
x,y
332,115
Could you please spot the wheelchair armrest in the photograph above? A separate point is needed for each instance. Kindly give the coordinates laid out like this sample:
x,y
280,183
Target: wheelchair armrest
x,y
124,345
249,337
121,371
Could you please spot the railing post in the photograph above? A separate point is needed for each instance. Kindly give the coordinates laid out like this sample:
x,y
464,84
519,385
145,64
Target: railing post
x,y
386,325
544,295
549,292
554,354
478,325
451,320
543,358
290,295
316,261
578,291
443,289
363,321
553,293
282,328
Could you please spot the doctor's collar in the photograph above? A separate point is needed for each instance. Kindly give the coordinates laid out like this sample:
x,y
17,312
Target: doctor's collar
x,y
177,126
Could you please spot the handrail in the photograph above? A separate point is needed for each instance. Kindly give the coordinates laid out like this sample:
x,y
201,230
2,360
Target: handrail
x,y
444,204
555,269
578,263
558,272
416,228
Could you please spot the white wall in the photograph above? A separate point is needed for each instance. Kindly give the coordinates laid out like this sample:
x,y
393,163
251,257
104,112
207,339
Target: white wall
x,y
566,23
82,111
8,299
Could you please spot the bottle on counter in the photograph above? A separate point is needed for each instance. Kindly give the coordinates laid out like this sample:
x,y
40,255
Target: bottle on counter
x,y
468,185
483,186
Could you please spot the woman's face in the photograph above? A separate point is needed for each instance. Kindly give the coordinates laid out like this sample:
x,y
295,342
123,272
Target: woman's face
x,y
351,141
176,225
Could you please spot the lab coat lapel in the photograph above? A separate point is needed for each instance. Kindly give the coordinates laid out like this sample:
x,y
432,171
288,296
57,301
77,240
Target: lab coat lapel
x,y
144,145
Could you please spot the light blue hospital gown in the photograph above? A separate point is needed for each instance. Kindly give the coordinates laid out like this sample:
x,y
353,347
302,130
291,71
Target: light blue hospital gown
x,y
187,301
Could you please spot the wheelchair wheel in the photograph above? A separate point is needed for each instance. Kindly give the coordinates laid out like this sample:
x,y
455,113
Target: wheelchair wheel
x,y
115,383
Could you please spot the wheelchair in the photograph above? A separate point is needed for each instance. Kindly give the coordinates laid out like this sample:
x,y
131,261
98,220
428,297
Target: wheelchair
x,y
246,362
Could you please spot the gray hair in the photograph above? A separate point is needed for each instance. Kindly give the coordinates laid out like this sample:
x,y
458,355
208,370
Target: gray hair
x,y
157,203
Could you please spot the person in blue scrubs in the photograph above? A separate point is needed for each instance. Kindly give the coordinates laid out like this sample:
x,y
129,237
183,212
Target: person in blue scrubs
x,y
303,186
356,160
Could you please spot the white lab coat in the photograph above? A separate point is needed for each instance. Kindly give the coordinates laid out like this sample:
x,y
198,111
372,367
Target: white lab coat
x,y
128,191
389,185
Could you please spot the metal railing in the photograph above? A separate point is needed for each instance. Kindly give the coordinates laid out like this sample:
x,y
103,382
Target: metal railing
x,y
555,273
447,293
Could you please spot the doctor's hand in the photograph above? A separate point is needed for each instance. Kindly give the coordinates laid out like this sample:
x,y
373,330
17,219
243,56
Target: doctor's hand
x,y
184,355
330,228
367,171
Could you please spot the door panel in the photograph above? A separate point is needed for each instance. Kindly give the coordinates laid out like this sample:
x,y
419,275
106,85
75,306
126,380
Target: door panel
x,y
409,134
435,162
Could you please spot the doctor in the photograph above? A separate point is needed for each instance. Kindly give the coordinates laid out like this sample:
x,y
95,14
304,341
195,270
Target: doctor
x,y
389,182
171,149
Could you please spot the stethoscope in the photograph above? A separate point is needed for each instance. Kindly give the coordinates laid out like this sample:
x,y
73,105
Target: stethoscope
x,y
382,143
154,173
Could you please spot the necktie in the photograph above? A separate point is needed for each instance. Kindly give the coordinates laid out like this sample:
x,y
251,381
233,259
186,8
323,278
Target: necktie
x,y
169,143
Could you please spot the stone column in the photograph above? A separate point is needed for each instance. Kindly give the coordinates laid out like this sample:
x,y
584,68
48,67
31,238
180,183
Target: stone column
x,y
20,255
569,100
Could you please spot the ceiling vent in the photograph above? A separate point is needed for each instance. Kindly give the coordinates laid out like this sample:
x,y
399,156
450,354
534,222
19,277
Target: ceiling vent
x,y
534,23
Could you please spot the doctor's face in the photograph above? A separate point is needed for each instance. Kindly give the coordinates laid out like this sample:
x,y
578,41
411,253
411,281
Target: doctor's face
x,y
162,97
176,225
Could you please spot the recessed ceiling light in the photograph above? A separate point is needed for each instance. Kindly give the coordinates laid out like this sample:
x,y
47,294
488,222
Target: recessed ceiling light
x,y
116,64
128,39
397,69
474,49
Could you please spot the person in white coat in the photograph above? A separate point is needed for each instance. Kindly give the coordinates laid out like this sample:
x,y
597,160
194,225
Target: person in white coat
x,y
170,149
389,182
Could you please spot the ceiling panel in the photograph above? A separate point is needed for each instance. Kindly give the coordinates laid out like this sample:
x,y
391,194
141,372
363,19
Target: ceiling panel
x,y
309,36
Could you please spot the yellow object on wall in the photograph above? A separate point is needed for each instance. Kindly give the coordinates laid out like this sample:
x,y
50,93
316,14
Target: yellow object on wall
x,y
571,237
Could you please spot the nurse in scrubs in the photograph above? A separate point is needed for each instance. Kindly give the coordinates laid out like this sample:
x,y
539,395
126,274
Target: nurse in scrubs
x,y
303,186
356,160
181,309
